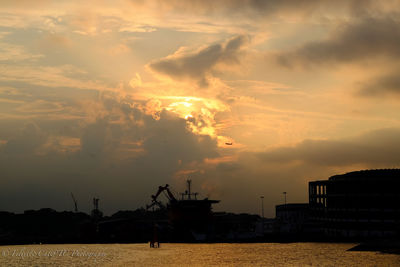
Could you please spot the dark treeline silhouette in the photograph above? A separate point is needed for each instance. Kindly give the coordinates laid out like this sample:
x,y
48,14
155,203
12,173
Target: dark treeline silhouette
x,y
47,226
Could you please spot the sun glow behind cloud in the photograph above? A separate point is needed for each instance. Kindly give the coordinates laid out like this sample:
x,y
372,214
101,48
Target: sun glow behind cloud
x,y
199,113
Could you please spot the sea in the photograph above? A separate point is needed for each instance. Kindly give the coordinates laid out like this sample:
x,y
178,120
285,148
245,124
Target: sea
x,y
224,254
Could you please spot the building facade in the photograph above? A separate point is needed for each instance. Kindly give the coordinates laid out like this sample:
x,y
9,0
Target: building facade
x,y
357,204
291,218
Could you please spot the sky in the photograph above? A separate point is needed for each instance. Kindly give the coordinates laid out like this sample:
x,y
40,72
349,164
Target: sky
x,y
112,99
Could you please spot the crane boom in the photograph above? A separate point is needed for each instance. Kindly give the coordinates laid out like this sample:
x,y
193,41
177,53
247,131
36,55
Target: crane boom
x,y
162,189
154,203
75,203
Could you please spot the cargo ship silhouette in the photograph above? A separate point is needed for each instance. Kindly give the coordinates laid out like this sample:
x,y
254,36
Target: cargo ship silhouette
x,y
191,218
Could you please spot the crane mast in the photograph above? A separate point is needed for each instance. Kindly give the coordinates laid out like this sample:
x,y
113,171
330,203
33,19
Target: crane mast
x,y
75,203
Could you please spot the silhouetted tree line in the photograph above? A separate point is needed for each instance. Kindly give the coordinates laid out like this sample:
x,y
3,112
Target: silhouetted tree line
x,y
48,226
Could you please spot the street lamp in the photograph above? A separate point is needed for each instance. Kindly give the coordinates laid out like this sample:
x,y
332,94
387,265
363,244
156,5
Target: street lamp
x,y
262,206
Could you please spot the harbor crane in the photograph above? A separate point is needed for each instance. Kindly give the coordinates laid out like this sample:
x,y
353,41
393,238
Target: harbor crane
x,y
75,203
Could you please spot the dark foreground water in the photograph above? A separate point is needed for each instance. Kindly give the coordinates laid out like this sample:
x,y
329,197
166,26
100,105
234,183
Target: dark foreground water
x,y
267,254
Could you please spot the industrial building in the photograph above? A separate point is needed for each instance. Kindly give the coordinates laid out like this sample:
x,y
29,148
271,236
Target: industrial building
x,y
357,204
291,218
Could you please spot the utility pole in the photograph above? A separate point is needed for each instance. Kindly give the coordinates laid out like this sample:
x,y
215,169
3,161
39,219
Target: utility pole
x,y
262,214
285,197
189,192
262,206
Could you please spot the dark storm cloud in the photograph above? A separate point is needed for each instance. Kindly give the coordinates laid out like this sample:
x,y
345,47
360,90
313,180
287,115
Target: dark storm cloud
x,y
26,141
386,85
96,138
356,41
381,147
122,157
169,136
198,65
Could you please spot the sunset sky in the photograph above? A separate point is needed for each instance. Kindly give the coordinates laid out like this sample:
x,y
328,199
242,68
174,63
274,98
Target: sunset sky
x,y
114,98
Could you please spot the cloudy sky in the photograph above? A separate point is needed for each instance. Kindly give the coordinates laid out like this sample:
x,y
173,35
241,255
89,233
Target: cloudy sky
x,y
114,98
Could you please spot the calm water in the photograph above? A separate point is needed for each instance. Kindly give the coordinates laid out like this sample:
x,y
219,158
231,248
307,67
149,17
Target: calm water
x,y
268,254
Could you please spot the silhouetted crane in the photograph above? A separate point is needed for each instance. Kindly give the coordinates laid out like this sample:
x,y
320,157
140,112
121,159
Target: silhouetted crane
x,y
161,189
75,203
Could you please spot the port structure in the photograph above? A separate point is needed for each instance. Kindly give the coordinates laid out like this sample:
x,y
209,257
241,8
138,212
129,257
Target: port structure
x,y
187,214
96,213
188,193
